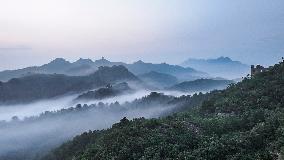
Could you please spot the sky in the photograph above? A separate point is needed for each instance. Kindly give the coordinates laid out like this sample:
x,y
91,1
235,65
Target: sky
x,y
33,32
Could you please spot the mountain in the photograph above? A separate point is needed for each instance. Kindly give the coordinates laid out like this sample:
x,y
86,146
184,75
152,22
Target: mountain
x,y
181,73
80,67
244,121
82,61
201,85
42,86
114,74
220,67
59,65
157,79
83,67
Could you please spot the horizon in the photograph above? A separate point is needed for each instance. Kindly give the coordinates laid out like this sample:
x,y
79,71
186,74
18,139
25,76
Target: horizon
x,y
131,62
95,59
141,79
34,33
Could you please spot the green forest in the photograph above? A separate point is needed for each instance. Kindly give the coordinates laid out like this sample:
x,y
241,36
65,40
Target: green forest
x,y
244,121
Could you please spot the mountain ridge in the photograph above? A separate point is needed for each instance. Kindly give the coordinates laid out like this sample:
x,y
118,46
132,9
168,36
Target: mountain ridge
x,y
220,67
157,79
84,67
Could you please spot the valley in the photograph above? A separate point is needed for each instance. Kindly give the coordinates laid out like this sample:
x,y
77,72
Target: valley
x,y
48,105
141,80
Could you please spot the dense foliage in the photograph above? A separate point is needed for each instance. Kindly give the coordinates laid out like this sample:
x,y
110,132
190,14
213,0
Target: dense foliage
x,y
244,121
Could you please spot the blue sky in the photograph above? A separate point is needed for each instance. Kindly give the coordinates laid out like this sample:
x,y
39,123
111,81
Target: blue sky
x,y
33,32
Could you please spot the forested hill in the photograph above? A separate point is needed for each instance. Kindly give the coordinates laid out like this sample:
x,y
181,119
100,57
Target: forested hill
x,y
42,86
244,121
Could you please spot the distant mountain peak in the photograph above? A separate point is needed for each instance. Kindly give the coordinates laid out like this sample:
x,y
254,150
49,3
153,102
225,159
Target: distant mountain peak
x,y
103,59
59,61
139,62
82,61
117,72
57,64
219,67
219,59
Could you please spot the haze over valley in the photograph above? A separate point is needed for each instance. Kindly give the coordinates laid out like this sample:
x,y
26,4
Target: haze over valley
x,y
141,80
68,98
58,97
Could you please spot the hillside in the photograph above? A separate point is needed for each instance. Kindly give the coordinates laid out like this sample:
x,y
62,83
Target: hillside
x,y
42,86
219,67
244,121
201,85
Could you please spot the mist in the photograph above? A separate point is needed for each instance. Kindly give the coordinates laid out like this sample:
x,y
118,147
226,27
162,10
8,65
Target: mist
x,y
35,133
29,130
36,108
50,132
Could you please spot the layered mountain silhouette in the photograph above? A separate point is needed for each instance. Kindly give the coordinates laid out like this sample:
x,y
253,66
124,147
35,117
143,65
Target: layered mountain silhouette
x,y
43,86
159,80
83,67
245,121
220,67
181,73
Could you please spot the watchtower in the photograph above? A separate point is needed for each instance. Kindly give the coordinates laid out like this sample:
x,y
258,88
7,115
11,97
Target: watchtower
x,y
257,69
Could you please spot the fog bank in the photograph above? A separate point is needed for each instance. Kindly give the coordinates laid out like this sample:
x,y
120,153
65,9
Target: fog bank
x,y
35,108
39,135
